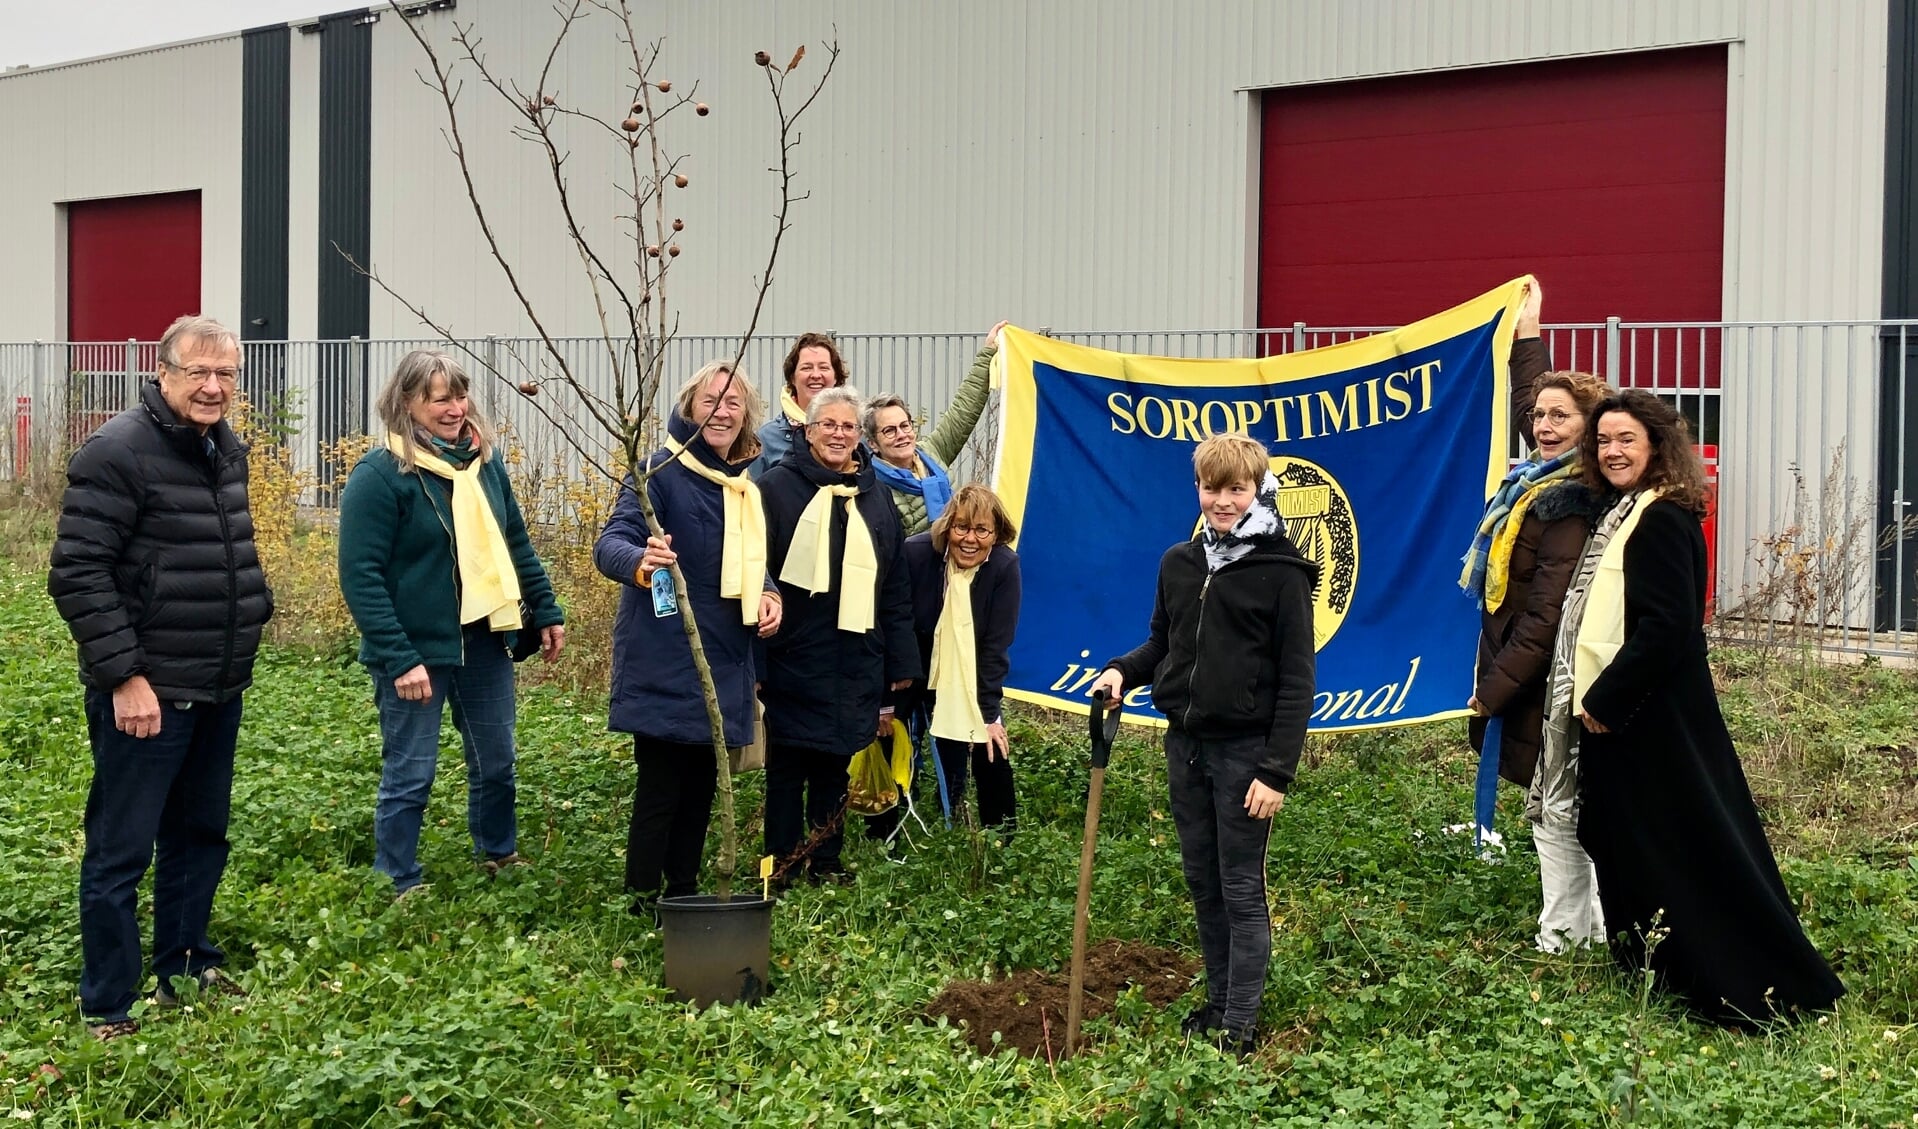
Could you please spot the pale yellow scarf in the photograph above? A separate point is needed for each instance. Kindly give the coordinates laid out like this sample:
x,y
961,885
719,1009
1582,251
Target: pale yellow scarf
x,y
809,560
742,556
1601,633
955,664
489,584
791,407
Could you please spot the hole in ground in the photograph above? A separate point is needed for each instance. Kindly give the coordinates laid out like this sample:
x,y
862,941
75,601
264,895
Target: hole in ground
x,y
1028,1008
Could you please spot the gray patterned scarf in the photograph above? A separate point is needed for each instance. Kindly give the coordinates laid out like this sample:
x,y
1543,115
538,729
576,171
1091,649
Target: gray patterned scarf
x,y
1260,520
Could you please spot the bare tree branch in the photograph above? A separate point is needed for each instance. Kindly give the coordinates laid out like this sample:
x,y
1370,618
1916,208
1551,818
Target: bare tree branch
x,y
640,298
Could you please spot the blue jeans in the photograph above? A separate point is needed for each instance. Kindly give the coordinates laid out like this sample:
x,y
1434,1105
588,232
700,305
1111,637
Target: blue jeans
x,y
481,694
162,800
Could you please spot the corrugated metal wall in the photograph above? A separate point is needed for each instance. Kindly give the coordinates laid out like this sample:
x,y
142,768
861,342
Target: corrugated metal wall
x,y
1075,163
1081,163
166,120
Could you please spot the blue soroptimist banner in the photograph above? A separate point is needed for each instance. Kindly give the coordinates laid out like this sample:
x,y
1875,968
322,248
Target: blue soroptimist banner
x,y
1385,448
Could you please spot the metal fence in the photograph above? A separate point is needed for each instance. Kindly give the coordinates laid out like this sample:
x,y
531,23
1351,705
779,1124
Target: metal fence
x,y
1806,428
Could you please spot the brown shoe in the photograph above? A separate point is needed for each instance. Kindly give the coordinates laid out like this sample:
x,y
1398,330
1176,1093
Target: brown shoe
x,y
492,867
107,1032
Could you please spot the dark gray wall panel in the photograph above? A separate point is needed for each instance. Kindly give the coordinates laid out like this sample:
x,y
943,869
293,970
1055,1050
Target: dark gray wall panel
x,y
265,90
346,172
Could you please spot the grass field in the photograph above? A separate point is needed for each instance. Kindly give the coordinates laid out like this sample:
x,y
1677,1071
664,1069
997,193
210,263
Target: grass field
x,y
1404,989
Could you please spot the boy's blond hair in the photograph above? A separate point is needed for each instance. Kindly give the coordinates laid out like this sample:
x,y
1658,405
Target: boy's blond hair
x,y
1228,457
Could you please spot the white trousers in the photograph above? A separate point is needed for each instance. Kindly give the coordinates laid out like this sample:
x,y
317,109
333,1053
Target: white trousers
x,y
1570,915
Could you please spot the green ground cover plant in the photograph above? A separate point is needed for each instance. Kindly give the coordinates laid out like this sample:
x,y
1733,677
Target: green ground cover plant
x,y
1404,988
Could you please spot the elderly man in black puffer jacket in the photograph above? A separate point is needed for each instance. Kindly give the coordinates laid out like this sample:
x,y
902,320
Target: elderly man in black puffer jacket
x,y
155,571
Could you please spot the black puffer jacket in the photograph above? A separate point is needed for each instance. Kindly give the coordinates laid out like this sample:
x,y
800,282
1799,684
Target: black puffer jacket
x,y
154,567
1231,652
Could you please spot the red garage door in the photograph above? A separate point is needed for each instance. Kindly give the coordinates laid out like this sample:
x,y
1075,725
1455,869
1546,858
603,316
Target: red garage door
x,y
133,265
1386,200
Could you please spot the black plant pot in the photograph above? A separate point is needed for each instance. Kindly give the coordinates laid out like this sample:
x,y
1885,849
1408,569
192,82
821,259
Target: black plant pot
x,y
717,952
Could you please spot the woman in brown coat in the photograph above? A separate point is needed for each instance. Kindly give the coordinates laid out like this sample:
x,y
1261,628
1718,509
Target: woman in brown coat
x,y
1520,565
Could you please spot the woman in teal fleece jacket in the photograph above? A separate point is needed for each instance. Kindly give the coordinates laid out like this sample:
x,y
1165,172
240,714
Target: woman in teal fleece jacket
x,y
438,624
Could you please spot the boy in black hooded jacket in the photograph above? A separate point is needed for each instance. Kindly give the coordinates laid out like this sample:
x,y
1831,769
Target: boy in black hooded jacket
x,y
1231,663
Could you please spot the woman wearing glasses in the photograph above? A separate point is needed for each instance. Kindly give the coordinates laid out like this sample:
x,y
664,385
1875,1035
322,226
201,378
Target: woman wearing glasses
x,y
914,469
834,544
965,610
1519,566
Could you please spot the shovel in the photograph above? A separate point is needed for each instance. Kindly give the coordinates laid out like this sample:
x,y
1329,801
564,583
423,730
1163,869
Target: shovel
x,y
1104,726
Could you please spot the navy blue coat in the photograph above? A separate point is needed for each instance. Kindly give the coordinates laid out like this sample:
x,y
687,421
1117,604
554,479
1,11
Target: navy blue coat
x,y
823,685
995,612
655,690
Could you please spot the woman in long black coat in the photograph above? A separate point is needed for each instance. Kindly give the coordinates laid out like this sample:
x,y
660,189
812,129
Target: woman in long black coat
x,y
846,636
1685,874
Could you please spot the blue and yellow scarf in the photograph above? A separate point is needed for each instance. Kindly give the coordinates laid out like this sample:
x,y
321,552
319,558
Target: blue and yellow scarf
x,y
1485,562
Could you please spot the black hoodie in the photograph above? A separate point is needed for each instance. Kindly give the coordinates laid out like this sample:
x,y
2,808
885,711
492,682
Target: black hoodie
x,y
1231,652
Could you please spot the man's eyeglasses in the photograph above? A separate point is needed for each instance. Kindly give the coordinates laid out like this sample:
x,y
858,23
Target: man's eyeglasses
x,y
1557,417
832,428
198,374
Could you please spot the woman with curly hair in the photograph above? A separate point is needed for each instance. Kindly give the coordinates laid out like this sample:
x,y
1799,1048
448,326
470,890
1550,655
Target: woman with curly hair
x,y
1520,564
1686,877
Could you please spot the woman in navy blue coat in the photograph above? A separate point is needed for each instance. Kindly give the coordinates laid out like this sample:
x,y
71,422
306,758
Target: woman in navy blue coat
x,y
965,551
656,696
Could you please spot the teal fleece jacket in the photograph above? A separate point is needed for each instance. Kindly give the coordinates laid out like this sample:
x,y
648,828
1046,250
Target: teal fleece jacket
x,y
397,563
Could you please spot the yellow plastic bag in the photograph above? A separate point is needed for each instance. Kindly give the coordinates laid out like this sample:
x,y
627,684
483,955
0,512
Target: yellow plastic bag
x,y
876,776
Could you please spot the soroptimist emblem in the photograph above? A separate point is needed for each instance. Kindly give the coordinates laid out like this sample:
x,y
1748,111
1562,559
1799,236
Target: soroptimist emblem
x,y
1318,519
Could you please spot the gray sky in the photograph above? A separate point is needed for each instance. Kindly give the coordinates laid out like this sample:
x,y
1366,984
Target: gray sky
x,y
55,31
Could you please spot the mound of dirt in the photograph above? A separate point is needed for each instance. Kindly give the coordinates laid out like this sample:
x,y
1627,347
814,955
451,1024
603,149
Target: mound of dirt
x,y
1028,1008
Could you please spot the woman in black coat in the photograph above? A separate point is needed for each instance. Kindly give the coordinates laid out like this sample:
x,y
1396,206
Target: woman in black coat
x,y
964,647
1685,874
846,636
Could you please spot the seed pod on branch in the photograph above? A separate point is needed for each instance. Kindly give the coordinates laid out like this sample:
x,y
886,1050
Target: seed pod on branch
x,y
679,225
663,86
528,388
630,125
679,180
546,99
652,250
702,109
673,250
762,59
638,106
